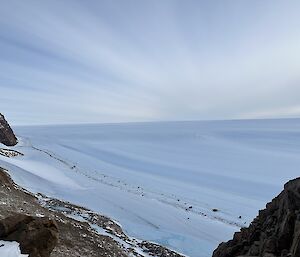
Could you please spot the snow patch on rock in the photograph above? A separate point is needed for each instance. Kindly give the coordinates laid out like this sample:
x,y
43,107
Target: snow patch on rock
x,y
10,249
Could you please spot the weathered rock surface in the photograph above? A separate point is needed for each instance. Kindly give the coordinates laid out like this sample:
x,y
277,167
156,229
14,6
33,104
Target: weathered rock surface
x,y
275,232
76,238
36,236
7,136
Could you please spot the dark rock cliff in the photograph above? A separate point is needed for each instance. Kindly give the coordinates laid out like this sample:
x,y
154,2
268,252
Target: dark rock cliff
x,y
7,136
275,232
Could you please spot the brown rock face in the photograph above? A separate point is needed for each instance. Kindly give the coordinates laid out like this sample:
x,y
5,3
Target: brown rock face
x,y
7,136
36,236
275,232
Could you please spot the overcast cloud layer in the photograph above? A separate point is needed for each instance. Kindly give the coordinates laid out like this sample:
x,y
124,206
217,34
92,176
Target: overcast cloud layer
x,y
113,61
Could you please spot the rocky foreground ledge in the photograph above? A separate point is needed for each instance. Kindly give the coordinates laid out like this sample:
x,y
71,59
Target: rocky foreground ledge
x,y
45,225
275,232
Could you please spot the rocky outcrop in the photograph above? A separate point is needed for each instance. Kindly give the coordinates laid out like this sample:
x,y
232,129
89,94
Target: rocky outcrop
x,y
78,227
7,136
275,232
36,236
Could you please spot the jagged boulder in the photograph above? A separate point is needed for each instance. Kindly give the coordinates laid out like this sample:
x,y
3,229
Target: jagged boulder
x,y
275,232
36,236
7,136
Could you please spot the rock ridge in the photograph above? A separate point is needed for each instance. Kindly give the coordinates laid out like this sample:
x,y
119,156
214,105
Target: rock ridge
x,y
7,136
275,232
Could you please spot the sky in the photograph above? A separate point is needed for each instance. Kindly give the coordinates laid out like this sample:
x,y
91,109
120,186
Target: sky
x,y
68,61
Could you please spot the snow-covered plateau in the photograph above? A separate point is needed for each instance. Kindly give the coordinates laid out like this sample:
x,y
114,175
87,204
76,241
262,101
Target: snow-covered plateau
x,y
185,185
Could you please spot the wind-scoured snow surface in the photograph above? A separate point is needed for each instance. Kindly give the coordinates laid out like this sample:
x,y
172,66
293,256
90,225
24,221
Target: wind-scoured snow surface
x,y
161,181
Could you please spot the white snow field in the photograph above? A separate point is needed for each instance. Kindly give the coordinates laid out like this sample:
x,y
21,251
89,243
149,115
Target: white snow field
x,y
10,249
161,181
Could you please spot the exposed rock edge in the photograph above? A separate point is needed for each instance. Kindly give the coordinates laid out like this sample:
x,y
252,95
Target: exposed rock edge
x,y
7,136
275,232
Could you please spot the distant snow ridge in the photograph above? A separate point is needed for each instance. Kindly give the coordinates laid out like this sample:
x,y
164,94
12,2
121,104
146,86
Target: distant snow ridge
x,y
10,249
